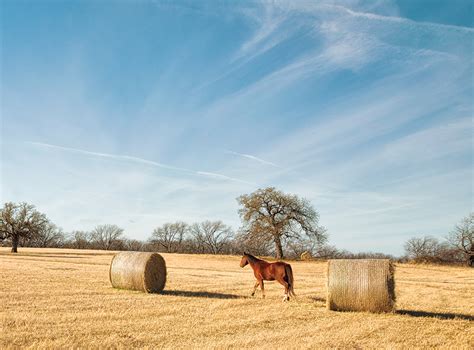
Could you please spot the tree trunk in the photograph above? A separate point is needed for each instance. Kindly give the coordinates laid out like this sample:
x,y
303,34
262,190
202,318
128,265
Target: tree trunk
x,y
279,248
15,240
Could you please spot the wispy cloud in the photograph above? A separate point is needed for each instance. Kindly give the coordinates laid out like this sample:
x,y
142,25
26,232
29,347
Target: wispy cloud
x,y
267,35
254,158
127,158
223,177
108,155
373,16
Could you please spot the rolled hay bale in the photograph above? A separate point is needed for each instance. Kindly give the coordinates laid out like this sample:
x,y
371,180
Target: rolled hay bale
x,y
305,256
360,285
145,272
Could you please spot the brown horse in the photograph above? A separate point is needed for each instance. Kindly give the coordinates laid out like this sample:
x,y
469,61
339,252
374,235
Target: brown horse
x,y
265,271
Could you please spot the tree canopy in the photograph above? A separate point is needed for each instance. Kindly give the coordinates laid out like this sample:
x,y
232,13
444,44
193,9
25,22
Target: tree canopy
x,y
20,220
272,215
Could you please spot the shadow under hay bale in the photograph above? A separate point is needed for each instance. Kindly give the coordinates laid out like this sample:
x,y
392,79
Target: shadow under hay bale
x,y
360,285
144,272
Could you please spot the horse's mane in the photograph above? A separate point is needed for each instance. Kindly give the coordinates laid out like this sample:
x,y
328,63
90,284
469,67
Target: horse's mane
x,y
252,258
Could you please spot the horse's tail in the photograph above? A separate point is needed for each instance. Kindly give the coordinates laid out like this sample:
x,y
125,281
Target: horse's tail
x,y
289,274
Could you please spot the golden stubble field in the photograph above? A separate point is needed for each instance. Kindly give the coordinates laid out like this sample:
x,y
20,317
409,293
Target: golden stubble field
x,y
59,298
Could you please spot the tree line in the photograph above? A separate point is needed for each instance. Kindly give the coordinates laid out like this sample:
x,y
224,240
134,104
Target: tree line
x,y
457,246
273,224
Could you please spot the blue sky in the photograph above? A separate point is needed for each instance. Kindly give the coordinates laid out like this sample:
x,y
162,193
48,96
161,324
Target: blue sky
x,y
140,113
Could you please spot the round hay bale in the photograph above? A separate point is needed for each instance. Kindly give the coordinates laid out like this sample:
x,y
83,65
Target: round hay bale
x,y
305,256
145,272
360,285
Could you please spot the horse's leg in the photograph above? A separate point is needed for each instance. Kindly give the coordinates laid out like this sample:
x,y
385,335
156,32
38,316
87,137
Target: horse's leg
x,y
263,289
285,284
254,288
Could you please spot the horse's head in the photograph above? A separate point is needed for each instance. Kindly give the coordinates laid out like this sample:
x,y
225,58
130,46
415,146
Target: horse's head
x,y
244,260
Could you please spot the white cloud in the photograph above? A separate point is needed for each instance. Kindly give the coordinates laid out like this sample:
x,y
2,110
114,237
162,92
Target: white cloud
x,y
254,158
139,160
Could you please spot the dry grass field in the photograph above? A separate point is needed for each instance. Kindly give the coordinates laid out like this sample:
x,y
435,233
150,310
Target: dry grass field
x,y
53,298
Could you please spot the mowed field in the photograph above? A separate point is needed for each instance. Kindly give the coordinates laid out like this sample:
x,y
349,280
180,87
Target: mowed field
x,y
58,298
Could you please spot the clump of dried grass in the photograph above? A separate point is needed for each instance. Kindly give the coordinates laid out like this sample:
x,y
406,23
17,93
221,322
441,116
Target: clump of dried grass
x,y
145,272
360,285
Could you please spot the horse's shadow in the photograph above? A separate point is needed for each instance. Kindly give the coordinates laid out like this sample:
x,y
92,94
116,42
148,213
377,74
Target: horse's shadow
x,y
196,294
440,315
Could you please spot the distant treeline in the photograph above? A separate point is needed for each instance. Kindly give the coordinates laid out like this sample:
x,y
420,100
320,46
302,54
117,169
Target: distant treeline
x,y
214,237
273,224
207,237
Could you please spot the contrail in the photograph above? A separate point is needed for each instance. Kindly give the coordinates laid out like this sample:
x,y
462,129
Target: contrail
x,y
249,156
139,160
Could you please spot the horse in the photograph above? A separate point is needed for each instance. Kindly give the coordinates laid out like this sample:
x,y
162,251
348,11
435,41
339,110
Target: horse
x,y
265,271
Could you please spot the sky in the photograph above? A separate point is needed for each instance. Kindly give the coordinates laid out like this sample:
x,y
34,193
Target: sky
x,y
138,113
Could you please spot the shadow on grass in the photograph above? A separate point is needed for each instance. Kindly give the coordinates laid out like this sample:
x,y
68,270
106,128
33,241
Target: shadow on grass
x,y
440,315
211,295
323,300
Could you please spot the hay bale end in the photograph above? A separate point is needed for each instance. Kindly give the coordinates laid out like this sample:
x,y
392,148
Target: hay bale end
x,y
360,285
140,271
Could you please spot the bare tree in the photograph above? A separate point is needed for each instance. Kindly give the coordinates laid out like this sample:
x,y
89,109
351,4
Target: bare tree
x,y
255,245
170,236
297,247
419,248
105,236
20,221
49,236
79,240
211,236
462,238
275,216
133,245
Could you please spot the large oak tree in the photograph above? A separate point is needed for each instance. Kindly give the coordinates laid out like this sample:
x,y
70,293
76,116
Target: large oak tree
x,y
20,220
276,216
